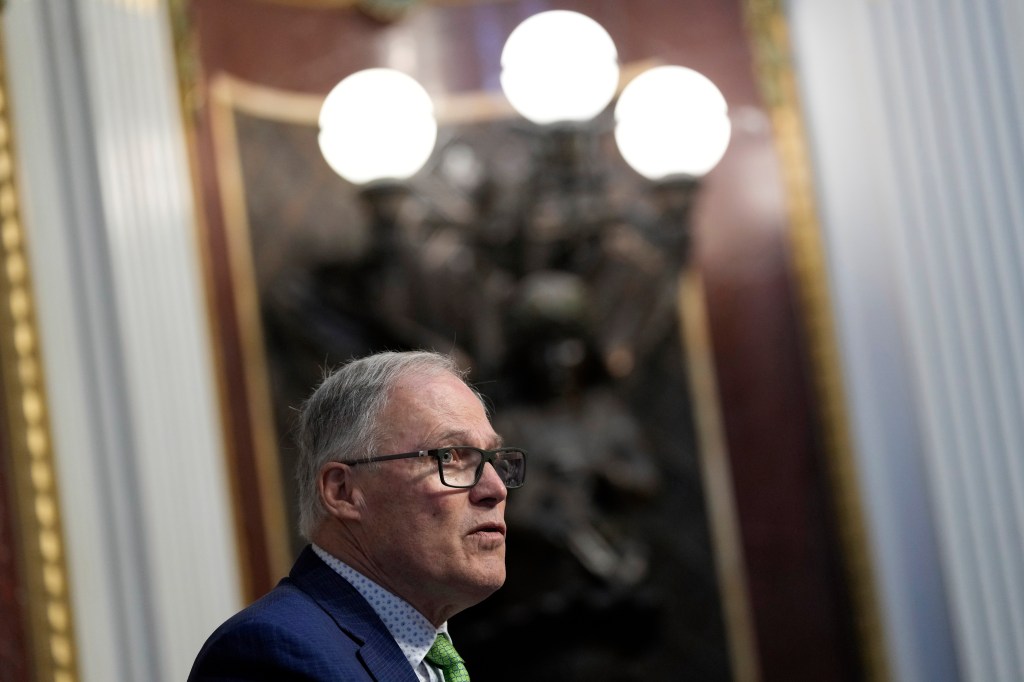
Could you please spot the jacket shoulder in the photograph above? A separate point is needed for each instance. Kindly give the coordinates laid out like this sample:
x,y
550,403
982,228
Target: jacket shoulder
x,y
283,635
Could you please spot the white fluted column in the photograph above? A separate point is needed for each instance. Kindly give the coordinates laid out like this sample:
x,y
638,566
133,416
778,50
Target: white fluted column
x,y
915,109
110,220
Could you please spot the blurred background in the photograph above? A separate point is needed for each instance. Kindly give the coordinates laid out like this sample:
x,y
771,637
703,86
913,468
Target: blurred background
x,y
744,277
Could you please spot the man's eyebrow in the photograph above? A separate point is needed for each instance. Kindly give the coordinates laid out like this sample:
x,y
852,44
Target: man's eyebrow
x,y
460,437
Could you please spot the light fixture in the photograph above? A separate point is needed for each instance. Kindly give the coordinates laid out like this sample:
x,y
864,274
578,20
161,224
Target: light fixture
x,y
671,121
559,67
560,71
377,125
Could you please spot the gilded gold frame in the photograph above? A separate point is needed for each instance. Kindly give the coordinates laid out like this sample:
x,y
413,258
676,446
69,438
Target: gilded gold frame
x,y
34,490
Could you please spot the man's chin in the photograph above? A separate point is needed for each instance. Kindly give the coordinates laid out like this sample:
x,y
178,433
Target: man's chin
x,y
487,582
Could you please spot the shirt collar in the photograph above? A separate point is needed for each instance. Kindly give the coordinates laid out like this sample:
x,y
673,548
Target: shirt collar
x,y
409,628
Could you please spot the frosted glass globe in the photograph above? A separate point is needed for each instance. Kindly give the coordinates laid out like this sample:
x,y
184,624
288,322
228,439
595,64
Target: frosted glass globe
x,y
559,66
377,124
671,121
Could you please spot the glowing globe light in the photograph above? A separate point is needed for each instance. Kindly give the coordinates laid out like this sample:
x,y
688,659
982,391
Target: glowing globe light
x,y
559,67
671,121
377,125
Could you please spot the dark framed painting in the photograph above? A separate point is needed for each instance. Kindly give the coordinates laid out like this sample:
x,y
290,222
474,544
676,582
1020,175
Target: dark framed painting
x,y
657,349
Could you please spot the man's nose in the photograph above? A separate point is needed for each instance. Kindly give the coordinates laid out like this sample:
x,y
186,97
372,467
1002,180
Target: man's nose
x,y
490,485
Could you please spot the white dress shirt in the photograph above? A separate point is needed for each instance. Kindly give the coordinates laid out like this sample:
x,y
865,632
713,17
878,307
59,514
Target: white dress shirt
x,y
409,628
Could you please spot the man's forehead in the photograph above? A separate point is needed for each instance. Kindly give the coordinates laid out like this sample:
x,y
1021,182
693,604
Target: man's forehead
x,y
439,409
437,391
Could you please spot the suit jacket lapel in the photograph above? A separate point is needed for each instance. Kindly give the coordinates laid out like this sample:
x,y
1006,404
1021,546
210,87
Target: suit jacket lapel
x,y
378,651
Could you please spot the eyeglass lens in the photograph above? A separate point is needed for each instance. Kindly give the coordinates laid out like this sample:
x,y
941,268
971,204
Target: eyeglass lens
x,y
462,466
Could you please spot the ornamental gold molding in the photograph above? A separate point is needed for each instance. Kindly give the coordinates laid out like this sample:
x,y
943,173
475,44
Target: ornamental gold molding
x,y
34,485
773,62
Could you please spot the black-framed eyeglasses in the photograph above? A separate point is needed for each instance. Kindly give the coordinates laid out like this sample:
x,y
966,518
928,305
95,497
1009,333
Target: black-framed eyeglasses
x,y
460,466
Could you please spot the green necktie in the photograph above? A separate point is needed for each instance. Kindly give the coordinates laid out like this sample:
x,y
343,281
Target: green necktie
x,y
444,656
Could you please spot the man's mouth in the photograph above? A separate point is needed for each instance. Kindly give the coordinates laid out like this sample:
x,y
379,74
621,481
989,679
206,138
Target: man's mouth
x,y
490,529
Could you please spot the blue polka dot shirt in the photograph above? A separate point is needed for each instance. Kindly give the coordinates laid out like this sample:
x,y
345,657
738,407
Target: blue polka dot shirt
x,y
410,628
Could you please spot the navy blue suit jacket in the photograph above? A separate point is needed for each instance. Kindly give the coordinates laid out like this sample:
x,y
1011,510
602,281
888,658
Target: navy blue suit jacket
x,y
313,626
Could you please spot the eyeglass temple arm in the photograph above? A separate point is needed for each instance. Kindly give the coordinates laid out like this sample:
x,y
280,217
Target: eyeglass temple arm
x,y
385,458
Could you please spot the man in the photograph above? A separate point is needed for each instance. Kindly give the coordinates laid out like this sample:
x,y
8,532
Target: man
x,y
402,489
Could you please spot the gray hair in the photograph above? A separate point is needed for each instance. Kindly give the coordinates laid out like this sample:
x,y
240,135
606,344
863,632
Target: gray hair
x,y
341,420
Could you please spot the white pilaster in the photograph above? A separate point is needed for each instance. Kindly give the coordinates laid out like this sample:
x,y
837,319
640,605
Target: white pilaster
x,y
914,109
109,215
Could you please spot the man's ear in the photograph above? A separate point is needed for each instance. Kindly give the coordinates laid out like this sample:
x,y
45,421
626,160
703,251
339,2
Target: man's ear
x,y
338,492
